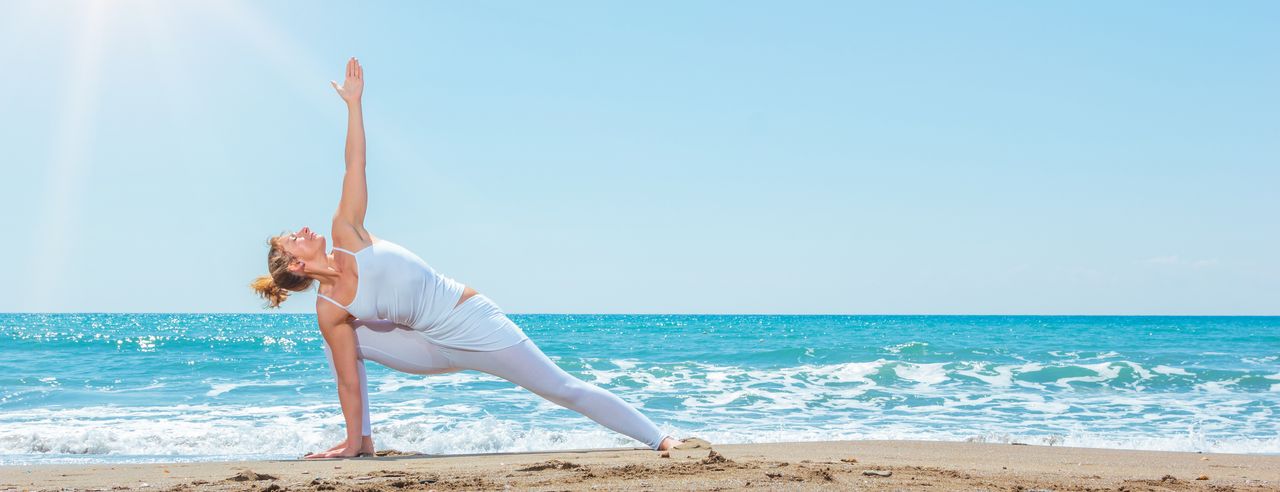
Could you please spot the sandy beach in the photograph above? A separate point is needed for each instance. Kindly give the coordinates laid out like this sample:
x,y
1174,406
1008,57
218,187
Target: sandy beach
x,y
841,465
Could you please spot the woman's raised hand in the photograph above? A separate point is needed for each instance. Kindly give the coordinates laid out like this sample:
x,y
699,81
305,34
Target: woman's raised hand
x,y
353,86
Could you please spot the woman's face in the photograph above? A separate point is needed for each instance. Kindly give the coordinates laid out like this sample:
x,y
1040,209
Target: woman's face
x,y
302,244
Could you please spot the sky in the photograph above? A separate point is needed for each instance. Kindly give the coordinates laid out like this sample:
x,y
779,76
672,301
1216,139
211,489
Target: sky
x,y
655,157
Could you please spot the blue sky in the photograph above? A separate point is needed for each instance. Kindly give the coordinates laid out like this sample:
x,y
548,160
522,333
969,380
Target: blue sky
x,y
656,157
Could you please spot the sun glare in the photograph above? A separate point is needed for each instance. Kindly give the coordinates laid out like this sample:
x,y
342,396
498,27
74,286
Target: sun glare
x,y
69,165
90,26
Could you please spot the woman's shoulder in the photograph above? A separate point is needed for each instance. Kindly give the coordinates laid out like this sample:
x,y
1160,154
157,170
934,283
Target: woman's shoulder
x,y
351,238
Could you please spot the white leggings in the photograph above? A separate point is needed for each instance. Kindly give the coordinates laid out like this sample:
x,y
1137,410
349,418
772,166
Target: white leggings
x,y
407,350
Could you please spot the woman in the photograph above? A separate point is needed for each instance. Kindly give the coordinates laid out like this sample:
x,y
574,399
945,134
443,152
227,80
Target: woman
x,y
453,327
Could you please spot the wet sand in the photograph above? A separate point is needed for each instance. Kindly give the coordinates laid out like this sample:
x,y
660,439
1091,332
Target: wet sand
x,y
833,465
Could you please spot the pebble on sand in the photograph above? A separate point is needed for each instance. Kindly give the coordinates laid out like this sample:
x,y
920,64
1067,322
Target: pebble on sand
x,y
877,473
1202,477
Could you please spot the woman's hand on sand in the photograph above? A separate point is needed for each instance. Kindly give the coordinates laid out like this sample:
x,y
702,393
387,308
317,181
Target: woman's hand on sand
x,y
353,86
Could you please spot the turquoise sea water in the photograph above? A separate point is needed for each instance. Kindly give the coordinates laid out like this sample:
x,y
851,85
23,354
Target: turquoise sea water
x,y
173,387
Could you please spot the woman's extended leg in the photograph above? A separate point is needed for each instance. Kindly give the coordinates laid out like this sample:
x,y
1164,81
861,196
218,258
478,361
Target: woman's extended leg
x,y
400,348
524,364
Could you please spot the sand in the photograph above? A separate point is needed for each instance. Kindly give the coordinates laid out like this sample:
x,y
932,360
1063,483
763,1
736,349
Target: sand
x,y
835,465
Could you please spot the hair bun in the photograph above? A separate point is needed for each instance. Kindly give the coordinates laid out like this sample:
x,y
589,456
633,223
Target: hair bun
x,y
266,287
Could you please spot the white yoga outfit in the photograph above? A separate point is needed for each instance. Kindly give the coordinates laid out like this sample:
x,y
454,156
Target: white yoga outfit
x,y
396,285
407,320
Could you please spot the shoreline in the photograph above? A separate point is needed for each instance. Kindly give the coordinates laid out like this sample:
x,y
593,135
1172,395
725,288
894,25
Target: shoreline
x,y
910,465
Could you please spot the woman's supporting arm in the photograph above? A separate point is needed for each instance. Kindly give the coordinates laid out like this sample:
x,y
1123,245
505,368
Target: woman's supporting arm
x,y
365,422
341,339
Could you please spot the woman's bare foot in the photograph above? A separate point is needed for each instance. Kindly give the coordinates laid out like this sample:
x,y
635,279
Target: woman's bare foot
x,y
668,443
366,447
692,443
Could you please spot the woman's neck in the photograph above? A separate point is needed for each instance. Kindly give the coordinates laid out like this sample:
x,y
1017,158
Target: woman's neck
x,y
327,274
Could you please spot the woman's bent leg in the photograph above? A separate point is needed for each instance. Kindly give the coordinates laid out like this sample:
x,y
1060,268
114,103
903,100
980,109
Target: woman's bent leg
x,y
397,347
524,364
401,348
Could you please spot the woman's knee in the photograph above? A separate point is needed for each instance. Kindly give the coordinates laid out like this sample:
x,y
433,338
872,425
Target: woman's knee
x,y
569,393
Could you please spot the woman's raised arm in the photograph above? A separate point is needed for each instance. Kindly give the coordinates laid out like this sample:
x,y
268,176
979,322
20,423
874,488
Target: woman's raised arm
x,y
355,193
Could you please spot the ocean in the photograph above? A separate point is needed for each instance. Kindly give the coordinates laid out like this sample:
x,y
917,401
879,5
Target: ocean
x,y
95,388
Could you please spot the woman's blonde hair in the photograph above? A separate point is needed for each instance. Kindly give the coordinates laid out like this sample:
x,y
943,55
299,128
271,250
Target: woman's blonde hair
x,y
279,281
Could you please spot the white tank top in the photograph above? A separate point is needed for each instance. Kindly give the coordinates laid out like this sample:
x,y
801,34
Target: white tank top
x,y
396,285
